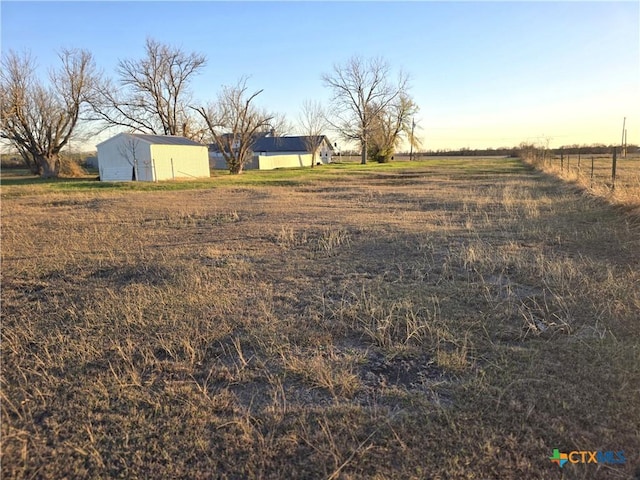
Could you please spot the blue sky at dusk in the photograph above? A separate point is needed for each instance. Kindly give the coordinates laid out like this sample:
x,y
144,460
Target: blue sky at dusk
x,y
485,74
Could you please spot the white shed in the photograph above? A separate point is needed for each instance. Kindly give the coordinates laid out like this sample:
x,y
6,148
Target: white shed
x,y
149,158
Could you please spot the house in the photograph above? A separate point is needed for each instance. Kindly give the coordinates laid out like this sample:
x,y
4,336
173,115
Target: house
x,y
149,158
271,152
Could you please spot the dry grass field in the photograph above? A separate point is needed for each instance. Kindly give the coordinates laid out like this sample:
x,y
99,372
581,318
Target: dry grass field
x,y
456,318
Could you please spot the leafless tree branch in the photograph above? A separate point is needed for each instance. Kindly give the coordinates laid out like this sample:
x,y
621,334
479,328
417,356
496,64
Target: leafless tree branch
x,y
361,91
153,92
313,122
234,122
38,119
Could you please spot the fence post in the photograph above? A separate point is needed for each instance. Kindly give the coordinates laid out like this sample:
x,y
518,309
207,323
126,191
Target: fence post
x,y
561,160
613,170
591,171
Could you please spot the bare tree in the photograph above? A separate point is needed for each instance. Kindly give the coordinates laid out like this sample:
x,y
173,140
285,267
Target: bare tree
x,y
279,125
313,123
153,92
390,127
234,123
38,119
361,90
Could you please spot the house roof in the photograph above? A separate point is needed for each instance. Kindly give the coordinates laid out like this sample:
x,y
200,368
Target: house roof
x,y
160,139
264,143
284,144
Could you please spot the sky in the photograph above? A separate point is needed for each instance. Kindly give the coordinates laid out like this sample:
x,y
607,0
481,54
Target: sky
x,y
484,74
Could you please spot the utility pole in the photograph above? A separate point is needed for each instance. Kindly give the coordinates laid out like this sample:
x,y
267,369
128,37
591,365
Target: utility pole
x,y
624,130
413,126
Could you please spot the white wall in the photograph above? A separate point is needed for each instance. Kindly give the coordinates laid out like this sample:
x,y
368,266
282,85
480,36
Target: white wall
x,y
324,154
144,166
269,162
273,160
116,156
180,161
293,159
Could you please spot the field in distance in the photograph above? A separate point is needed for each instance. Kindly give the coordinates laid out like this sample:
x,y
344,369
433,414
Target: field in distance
x,y
448,318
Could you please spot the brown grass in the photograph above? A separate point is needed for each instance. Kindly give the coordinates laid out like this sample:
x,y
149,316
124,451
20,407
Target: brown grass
x,y
448,320
598,181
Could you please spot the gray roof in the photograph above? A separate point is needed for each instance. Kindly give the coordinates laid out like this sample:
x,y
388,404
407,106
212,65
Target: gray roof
x,y
283,144
165,139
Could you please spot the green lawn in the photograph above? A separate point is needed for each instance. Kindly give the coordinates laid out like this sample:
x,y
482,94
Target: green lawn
x,y
17,182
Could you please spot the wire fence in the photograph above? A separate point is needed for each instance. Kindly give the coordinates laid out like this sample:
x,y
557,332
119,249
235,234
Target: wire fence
x,y
610,175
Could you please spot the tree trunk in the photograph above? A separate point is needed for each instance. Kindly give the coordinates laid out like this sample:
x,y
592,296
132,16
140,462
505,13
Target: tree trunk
x,y
235,168
49,166
363,158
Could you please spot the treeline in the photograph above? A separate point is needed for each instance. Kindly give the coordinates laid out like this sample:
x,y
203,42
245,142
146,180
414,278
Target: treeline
x,y
523,149
476,152
598,149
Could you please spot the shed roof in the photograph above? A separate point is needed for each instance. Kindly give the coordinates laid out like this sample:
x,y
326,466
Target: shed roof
x,y
160,139
165,139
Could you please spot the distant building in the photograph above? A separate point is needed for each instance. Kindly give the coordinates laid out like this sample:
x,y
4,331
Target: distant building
x,y
278,152
149,158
